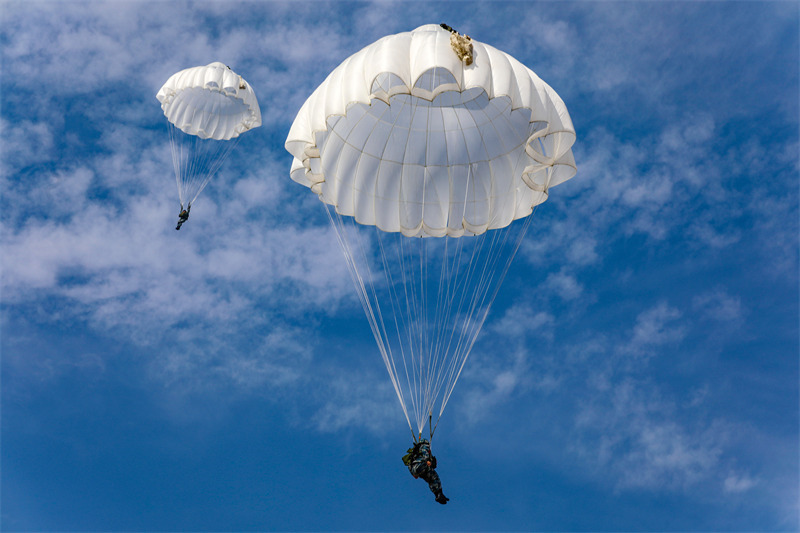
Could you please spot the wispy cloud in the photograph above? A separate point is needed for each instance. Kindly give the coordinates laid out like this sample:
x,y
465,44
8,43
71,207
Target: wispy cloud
x,y
564,284
638,439
654,328
520,321
738,483
357,399
625,426
721,306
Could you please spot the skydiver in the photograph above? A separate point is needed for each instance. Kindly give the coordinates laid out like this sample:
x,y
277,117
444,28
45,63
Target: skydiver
x,y
183,216
422,464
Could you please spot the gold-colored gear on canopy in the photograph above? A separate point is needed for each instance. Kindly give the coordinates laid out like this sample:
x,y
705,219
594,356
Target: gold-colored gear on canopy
x,y
461,44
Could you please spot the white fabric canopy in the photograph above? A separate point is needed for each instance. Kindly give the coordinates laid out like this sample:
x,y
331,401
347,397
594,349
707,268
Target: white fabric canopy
x,y
212,102
206,110
405,136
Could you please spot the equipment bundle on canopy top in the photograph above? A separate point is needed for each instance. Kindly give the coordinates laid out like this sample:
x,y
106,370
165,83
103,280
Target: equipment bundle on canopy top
x,y
425,148
207,108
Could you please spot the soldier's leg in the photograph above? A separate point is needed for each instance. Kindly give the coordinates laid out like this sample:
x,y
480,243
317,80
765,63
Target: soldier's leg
x,y
434,483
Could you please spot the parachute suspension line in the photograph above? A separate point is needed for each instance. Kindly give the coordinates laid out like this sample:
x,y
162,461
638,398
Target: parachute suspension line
x,y
424,261
485,304
386,351
408,324
388,358
418,289
433,347
397,314
451,275
435,330
407,355
409,329
453,326
433,378
474,323
446,373
196,161
463,291
425,353
177,156
213,163
375,316
414,286
340,229
182,159
435,353
516,245
415,320
465,313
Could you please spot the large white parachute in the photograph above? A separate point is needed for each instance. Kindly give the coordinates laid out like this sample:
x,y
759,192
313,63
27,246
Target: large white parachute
x,y
409,139
207,108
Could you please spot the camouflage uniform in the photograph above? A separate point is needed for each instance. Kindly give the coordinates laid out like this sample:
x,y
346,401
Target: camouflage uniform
x,y
183,216
423,464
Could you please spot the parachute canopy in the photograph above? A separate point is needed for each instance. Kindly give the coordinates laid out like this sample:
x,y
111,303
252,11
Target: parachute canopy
x,y
403,135
212,102
414,136
207,108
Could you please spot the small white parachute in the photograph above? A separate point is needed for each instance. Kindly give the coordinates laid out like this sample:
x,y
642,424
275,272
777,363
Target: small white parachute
x,y
207,108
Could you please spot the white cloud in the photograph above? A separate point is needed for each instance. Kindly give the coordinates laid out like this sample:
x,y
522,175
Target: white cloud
x,y
281,358
631,430
776,228
564,284
155,271
737,483
582,250
626,426
654,328
358,399
24,143
705,233
720,306
632,433
521,321
492,382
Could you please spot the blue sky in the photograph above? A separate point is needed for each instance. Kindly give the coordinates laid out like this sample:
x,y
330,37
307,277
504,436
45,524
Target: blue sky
x,y
638,372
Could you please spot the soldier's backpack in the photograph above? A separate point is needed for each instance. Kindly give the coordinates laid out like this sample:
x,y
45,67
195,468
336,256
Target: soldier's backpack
x,y
407,457
410,453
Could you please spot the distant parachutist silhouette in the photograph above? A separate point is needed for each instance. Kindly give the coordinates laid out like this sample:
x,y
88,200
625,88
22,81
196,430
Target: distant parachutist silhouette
x,y
183,216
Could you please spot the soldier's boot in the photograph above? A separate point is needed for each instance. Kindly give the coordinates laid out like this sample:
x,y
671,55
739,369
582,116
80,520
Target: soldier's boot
x,y
441,498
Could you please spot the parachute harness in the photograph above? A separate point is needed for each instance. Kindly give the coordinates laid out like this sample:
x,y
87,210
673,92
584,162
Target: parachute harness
x,y
461,44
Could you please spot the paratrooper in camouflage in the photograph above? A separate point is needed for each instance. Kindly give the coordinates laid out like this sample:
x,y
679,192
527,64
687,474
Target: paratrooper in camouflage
x,y
422,464
183,216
